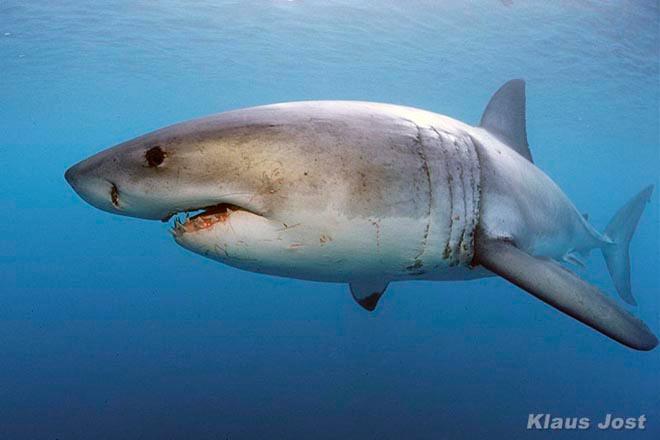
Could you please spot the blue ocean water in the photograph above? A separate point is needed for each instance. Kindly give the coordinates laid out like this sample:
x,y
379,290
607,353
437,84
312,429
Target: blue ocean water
x,y
108,329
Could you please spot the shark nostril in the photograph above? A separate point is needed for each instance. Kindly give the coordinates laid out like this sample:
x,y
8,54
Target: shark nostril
x,y
114,195
155,156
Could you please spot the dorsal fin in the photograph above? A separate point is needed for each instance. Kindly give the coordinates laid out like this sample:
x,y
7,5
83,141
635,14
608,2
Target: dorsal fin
x,y
505,116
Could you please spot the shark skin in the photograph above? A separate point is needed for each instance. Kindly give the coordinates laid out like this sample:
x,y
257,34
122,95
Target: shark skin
x,y
368,194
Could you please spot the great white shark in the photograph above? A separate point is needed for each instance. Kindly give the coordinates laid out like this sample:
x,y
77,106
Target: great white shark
x,y
368,193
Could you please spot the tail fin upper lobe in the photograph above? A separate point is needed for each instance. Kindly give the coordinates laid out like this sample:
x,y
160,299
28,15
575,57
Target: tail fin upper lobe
x,y
620,230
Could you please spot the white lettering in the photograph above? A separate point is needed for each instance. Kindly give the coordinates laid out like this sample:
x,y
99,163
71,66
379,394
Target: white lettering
x,y
605,423
534,421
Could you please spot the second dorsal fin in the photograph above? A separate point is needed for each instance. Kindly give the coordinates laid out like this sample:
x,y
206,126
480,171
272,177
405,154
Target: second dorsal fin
x,y
505,117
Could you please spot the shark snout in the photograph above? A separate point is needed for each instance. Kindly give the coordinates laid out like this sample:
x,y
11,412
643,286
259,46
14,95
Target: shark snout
x,y
93,188
71,176
75,177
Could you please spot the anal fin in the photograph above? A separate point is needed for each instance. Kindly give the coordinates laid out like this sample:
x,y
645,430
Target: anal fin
x,y
562,289
367,293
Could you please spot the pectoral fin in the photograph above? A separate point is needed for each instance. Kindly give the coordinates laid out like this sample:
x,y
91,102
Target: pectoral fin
x,y
562,289
367,293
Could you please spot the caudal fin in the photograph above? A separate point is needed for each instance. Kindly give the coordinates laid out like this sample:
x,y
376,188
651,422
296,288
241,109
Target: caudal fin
x,y
620,230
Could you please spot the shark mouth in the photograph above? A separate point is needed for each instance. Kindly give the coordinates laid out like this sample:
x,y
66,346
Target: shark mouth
x,y
199,219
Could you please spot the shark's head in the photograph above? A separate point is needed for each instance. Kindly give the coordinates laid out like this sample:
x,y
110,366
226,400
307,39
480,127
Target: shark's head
x,y
227,182
199,172
181,168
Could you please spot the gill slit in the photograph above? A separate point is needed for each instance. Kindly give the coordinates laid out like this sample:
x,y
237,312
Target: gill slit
x,y
427,171
447,250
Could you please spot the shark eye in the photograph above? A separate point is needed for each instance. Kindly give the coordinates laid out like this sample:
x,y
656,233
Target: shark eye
x,y
154,156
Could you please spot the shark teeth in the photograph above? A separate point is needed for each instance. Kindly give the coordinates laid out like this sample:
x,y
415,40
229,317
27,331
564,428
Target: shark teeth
x,y
199,219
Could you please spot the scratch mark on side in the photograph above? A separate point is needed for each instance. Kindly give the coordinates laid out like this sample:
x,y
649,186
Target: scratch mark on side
x,y
376,224
287,227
